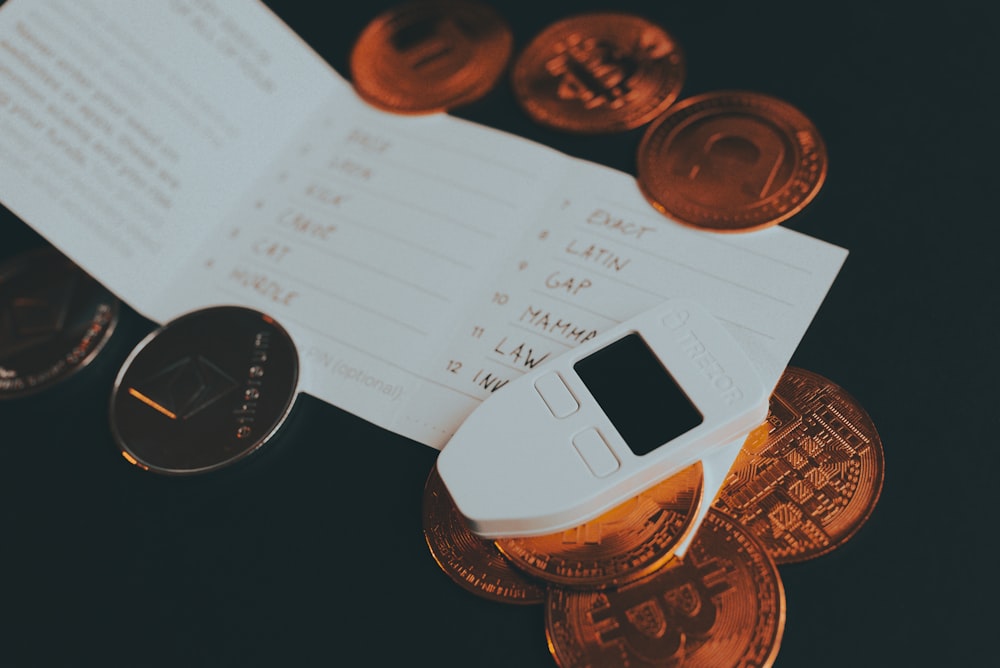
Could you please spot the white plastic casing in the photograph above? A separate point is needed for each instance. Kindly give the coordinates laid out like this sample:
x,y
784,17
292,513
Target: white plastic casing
x,y
518,467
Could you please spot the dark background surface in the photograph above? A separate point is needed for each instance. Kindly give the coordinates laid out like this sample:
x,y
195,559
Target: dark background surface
x,y
312,553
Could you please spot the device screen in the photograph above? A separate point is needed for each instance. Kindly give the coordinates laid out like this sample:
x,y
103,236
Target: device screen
x,y
639,396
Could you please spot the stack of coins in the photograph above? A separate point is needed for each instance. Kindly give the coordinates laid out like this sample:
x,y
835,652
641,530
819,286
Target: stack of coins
x,y
198,394
614,591
814,481
725,161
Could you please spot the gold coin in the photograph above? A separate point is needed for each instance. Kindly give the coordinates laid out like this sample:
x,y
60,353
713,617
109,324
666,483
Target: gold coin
x,y
473,563
598,72
722,605
621,545
430,56
815,480
731,161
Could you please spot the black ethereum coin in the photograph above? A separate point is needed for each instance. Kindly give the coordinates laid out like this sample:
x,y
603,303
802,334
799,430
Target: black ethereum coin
x,y
204,391
54,320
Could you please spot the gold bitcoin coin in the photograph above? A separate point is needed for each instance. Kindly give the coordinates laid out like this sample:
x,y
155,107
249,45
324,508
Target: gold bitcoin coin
x,y
619,546
731,161
430,56
598,73
722,605
815,480
473,563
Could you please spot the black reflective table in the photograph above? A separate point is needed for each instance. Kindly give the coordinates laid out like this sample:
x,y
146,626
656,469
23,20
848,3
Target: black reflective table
x,y
312,552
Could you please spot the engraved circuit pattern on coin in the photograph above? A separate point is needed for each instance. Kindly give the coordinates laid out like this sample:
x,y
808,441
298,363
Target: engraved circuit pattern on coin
x,y
621,545
430,56
731,161
54,320
815,481
598,73
720,606
204,391
472,562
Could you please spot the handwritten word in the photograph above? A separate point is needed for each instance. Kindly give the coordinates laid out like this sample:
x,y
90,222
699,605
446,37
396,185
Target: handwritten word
x,y
602,218
368,141
351,168
488,381
302,224
520,353
545,321
264,286
270,249
571,285
325,194
601,256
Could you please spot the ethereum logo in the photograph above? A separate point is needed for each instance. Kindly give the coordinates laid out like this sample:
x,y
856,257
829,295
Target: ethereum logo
x,y
184,388
35,317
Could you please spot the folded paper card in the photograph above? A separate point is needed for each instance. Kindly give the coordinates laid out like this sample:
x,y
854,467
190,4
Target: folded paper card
x,y
189,154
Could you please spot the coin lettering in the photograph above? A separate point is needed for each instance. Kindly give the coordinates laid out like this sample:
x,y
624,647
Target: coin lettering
x,y
204,391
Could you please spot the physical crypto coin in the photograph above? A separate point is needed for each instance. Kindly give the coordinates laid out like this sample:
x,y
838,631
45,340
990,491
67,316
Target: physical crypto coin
x,y
472,562
598,73
430,55
204,391
722,605
54,320
815,480
621,545
731,161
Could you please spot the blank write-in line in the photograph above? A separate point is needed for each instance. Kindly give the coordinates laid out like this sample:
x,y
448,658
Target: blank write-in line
x,y
380,359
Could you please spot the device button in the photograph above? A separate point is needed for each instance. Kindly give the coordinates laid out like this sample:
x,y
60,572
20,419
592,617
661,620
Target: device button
x,y
595,452
556,395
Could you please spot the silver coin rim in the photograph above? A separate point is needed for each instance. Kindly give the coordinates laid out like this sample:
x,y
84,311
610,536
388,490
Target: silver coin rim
x,y
260,442
95,351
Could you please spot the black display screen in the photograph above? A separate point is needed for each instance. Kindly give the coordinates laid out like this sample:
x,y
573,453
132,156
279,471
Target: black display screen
x,y
638,394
